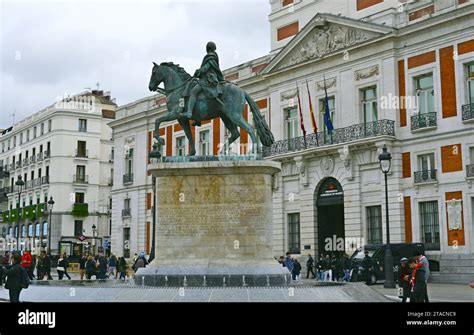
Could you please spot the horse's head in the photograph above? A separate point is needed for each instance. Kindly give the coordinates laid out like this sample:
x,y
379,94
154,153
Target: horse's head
x,y
156,77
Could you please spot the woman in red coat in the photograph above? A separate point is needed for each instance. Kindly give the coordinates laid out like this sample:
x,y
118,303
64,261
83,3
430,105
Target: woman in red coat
x,y
26,262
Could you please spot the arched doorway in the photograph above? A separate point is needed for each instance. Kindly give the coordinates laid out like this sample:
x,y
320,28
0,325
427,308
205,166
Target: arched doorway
x,y
330,216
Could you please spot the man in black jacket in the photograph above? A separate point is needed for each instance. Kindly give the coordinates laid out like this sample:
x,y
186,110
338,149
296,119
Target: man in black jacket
x,y
47,264
418,281
367,265
309,266
14,275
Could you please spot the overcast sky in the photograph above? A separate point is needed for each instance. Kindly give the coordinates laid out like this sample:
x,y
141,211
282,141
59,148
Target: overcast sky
x,y
50,49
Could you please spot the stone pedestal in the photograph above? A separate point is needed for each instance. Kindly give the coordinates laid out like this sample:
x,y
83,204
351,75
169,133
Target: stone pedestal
x,y
214,225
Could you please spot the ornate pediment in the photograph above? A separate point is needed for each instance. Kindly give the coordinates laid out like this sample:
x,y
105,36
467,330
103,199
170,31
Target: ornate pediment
x,y
323,36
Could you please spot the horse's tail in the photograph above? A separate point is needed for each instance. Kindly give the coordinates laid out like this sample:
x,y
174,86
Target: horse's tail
x,y
263,130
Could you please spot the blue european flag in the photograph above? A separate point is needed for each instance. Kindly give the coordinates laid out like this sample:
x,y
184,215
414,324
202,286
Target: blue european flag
x,y
327,115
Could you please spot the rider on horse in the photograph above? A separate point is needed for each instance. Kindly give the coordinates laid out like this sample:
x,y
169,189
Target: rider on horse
x,y
210,79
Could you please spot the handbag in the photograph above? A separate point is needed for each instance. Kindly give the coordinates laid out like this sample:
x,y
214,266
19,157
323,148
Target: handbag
x,y
400,291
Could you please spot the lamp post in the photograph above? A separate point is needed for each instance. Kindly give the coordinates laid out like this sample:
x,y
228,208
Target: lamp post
x,y
385,159
155,156
94,230
19,183
50,209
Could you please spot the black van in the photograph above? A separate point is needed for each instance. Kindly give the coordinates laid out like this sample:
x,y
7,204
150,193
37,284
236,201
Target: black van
x,y
377,253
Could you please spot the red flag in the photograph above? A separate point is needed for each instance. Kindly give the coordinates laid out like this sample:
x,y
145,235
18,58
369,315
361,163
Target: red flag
x,y
311,112
301,115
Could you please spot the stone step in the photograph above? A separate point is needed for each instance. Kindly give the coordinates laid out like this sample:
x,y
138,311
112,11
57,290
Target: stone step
x,y
456,278
456,257
457,263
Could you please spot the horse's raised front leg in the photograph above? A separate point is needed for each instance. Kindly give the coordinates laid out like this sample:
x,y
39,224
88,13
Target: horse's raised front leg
x,y
168,117
184,122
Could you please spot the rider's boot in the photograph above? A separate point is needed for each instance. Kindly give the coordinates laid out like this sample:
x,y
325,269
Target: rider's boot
x,y
189,112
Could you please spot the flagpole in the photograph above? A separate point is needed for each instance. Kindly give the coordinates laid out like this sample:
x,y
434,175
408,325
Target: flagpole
x,y
301,116
311,111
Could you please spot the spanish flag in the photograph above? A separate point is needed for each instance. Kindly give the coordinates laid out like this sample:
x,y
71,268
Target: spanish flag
x,y
311,113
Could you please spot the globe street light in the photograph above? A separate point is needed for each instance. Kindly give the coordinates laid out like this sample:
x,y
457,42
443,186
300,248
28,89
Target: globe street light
x,y
385,159
19,183
50,204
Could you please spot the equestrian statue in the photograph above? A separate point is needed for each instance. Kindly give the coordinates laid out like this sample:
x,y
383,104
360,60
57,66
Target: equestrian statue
x,y
205,96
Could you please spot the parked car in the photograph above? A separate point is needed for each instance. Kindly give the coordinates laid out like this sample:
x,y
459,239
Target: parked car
x,y
377,253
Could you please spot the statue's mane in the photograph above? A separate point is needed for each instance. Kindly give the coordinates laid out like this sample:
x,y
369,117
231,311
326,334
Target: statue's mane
x,y
182,72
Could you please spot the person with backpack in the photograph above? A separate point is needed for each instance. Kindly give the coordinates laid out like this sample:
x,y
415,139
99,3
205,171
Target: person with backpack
x,y
90,268
17,279
122,268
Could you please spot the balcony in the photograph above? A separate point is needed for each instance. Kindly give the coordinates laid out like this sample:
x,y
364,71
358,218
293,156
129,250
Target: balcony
x,y
468,112
128,178
80,179
37,182
126,213
341,135
33,159
82,129
110,181
80,210
25,162
424,121
39,157
470,171
18,165
29,184
4,173
44,180
425,176
81,153
47,154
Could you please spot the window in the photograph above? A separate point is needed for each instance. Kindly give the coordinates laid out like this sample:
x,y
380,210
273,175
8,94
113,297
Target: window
x,y
30,230
426,162
27,135
23,231
81,149
332,110
204,143
470,83
50,125
129,161
374,224
369,104
294,233
78,230
126,242
291,122
14,141
425,93
429,225
82,125
180,146
16,232
34,132
80,173
42,129
21,138
45,228
37,230
126,204
79,198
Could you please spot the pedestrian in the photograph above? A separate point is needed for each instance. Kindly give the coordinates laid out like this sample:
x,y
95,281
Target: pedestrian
x,y
62,267
4,266
102,267
367,267
17,279
47,265
309,266
26,262
404,274
140,262
112,266
33,267
288,263
319,267
337,268
327,268
40,267
122,268
82,266
90,268
346,268
418,281
281,260
296,270
420,258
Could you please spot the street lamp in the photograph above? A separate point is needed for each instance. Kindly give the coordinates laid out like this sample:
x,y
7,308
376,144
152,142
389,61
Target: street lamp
x,y
19,183
94,230
154,156
50,204
385,159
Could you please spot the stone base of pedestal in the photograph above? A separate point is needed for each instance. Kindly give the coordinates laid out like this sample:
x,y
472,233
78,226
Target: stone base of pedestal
x,y
214,225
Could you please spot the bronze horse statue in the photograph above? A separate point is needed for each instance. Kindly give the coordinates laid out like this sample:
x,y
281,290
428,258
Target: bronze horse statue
x,y
175,79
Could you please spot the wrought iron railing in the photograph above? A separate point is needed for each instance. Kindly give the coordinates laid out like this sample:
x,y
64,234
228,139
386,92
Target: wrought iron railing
x,y
470,170
424,176
44,180
468,112
424,120
82,153
126,212
81,179
338,136
128,178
